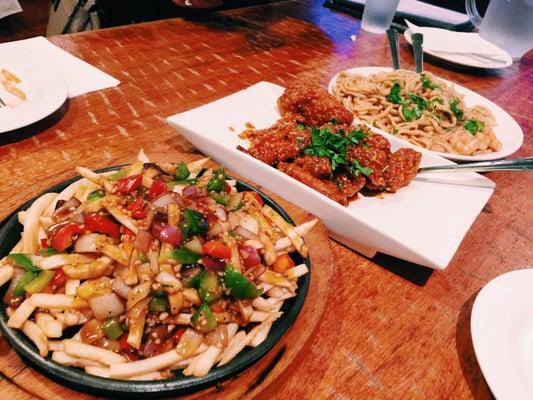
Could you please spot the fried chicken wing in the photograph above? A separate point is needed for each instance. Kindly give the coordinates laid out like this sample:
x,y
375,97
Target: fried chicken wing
x,y
313,104
327,188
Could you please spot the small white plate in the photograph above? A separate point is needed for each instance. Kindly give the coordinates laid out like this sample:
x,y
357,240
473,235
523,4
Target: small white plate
x,y
502,334
423,223
45,93
507,130
467,60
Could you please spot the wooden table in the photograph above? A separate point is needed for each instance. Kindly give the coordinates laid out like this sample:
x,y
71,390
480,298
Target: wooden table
x,y
378,328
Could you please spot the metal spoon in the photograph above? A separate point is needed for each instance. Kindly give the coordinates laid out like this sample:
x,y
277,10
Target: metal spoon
x,y
394,44
518,164
418,40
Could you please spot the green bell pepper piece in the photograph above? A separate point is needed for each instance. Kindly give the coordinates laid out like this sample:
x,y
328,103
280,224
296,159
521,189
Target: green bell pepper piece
x,y
24,261
184,256
203,319
97,194
112,329
182,172
158,305
38,283
218,182
26,278
47,251
209,287
220,198
240,287
194,223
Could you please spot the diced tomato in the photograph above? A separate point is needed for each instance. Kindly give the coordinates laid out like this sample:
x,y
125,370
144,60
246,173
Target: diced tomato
x,y
129,184
216,249
137,209
228,188
283,263
44,243
101,224
124,345
63,236
59,278
158,188
178,333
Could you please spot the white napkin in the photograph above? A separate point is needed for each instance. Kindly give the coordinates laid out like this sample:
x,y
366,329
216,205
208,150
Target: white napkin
x,y
445,41
421,9
79,76
8,7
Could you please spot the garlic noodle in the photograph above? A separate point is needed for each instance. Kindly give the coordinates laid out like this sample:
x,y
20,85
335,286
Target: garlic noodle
x,y
419,108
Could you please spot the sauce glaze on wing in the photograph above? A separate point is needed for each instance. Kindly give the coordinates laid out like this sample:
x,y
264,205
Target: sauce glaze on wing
x,y
315,143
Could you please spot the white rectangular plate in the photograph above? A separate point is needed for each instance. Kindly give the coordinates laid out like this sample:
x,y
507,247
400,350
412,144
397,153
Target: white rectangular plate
x,y
423,223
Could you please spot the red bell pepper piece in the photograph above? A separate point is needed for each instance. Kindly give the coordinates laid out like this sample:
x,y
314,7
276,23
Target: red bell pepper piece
x,y
158,188
216,249
59,279
101,224
137,209
63,236
129,184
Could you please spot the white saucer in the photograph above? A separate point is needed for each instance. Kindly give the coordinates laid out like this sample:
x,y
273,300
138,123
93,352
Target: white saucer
x,y
502,334
45,93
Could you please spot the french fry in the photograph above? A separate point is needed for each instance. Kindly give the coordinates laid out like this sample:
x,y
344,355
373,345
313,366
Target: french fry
x,y
31,222
6,273
235,346
284,243
99,179
51,327
204,362
123,218
21,314
286,228
102,372
37,336
261,331
94,353
63,358
59,260
297,271
56,345
101,267
145,366
57,301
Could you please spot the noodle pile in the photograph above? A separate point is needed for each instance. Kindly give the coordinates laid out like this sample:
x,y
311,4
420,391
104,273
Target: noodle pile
x,y
419,108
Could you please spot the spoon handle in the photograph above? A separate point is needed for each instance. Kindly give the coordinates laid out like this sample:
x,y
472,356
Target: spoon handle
x,y
418,40
518,164
394,44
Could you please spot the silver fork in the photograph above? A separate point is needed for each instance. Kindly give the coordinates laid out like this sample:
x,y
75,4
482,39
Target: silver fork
x,y
518,164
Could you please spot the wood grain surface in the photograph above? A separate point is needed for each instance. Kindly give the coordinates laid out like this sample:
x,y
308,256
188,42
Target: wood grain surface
x,y
379,328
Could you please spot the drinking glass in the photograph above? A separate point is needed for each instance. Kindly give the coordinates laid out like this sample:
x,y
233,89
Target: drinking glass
x,y
507,23
378,15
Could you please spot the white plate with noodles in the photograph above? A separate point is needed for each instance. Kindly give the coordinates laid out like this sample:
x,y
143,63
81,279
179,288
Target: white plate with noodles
x,y
28,95
455,123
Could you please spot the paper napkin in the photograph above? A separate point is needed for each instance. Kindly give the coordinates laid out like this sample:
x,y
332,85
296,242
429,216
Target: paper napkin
x,y
79,76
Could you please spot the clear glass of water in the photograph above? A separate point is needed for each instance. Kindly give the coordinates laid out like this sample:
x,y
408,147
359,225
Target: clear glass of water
x,y
378,15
